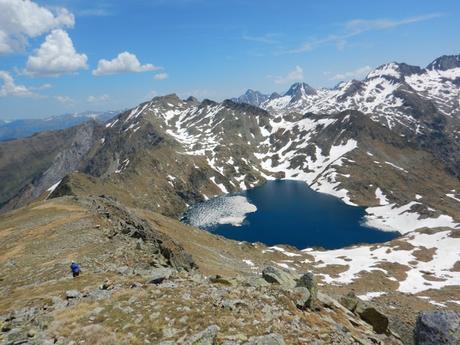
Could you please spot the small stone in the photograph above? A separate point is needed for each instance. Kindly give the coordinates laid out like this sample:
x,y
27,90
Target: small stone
x,y
125,270
269,339
6,327
32,333
206,337
72,294
107,285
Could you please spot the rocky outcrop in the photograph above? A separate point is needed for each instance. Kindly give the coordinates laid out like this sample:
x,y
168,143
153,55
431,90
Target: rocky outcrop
x,y
127,223
367,312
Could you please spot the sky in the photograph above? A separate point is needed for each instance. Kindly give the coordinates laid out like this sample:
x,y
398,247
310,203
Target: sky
x,y
68,56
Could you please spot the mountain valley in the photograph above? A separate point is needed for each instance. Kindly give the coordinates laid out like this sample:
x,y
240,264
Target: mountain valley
x,y
110,195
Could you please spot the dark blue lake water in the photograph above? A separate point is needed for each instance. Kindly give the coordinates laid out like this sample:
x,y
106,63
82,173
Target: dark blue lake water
x,y
288,212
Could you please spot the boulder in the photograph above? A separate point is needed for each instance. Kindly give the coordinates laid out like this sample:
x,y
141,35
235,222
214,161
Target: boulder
x,y
269,339
372,316
274,275
308,281
206,337
217,279
301,297
349,301
437,327
158,275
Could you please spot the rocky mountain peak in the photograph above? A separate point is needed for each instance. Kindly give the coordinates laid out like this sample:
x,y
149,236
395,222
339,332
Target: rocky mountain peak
x,y
251,97
299,90
444,63
274,95
192,99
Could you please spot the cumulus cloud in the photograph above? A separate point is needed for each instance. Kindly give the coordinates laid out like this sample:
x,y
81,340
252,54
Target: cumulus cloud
x,y
355,74
56,56
98,99
124,62
160,76
21,20
294,75
9,87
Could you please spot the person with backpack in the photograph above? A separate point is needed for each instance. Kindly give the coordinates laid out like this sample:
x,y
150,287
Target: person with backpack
x,y
75,269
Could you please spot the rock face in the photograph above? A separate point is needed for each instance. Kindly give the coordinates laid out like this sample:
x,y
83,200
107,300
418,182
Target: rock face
x,y
437,328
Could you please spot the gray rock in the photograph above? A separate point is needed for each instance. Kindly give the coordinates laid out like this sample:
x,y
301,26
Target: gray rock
x,y
349,301
125,270
233,304
269,339
301,297
274,275
437,328
217,279
372,316
158,275
71,294
308,280
206,337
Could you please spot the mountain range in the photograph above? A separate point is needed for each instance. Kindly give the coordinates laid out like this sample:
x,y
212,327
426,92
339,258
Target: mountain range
x,y
393,134
22,128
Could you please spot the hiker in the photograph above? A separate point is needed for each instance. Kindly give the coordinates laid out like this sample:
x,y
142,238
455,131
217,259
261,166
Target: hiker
x,y
75,269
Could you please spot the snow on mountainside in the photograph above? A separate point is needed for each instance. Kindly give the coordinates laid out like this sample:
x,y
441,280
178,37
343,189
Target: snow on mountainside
x,y
394,94
309,135
378,143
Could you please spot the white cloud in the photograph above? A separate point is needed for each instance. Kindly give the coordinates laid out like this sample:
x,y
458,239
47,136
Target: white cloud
x,y
266,39
65,100
355,74
56,56
160,76
124,62
363,25
20,20
354,28
294,75
98,99
152,94
9,88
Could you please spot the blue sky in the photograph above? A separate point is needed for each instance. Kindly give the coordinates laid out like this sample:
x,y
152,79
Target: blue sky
x,y
51,61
